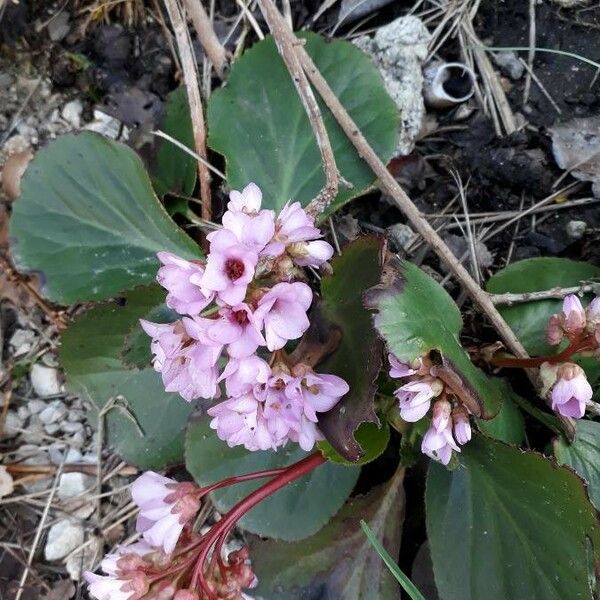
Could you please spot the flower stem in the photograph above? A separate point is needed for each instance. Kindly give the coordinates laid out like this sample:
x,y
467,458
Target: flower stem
x,y
220,530
526,363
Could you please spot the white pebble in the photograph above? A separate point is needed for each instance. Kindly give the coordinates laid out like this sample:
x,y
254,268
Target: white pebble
x,y
45,380
63,538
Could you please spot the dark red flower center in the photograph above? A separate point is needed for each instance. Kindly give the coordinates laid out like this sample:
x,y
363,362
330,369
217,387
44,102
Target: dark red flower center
x,y
241,317
234,268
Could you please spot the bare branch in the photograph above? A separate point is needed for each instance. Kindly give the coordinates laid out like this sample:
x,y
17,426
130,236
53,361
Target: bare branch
x,y
215,51
190,76
289,47
556,293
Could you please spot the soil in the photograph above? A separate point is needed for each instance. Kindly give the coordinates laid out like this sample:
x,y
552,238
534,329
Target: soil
x,y
53,54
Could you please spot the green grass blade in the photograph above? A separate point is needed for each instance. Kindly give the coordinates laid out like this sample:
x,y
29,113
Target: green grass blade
x,y
407,585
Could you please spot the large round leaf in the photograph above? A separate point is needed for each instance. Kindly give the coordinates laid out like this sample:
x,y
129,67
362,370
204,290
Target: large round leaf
x,y
529,319
415,315
509,524
89,222
146,425
294,512
258,123
583,455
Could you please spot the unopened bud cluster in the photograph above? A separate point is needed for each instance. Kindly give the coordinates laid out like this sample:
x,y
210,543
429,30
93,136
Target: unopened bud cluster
x,y
242,302
564,383
450,427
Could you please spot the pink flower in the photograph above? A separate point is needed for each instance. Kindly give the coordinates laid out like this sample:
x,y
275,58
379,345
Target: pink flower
x,y
282,310
166,506
310,254
593,319
186,595
439,444
241,375
293,225
462,427
398,368
124,579
175,276
415,398
253,227
229,268
571,391
321,393
167,341
573,314
306,435
240,421
237,328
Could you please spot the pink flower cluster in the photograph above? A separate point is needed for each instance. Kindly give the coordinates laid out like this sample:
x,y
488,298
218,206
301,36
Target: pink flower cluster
x,y
160,566
565,384
250,302
450,427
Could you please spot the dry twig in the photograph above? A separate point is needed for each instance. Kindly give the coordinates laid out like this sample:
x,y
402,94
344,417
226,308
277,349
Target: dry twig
x,y
556,293
190,76
215,51
290,48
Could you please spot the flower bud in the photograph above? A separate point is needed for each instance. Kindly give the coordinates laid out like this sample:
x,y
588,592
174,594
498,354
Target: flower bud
x,y
186,595
554,331
441,414
573,314
462,427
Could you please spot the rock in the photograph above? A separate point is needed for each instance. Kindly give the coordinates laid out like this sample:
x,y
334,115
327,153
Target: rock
x,y
106,125
576,148
12,424
71,113
52,428
76,415
571,3
77,440
85,559
45,381
576,229
54,412
23,412
41,485
400,236
71,426
22,341
6,482
35,430
73,484
63,537
509,64
459,246
36,406
59,26
398,51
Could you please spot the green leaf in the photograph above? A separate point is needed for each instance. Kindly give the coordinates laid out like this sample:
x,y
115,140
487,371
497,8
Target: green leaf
x,y
88,220
357,359
509,524
529,319
407,585
372,439
147,426
173,169
415,315
583,455
294,512
338,562
508,425
258,123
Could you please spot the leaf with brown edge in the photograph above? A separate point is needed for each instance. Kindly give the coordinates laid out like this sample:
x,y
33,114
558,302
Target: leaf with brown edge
x,y
358,357
338,562
416,316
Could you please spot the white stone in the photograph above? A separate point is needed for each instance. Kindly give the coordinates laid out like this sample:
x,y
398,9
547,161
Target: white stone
x,y
106,125
12,423
22,341
71,426
63,537
71,113
399,50
34,432
6,482
45,380
36,406
53,413
576,229
23,412
73,484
